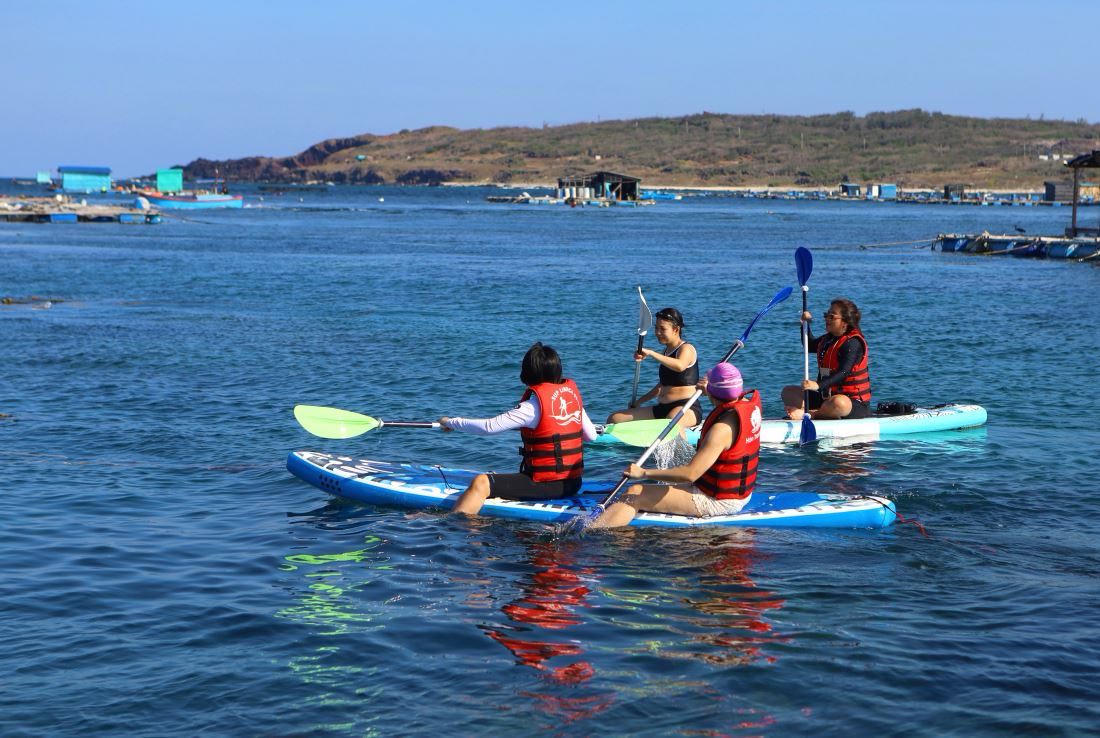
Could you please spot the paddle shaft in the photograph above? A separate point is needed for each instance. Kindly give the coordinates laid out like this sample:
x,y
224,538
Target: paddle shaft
x,y
637,371
406,424
804,262
805,351
645,319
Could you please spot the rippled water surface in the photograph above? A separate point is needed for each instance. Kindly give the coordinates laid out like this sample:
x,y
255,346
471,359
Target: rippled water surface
x,y
164,575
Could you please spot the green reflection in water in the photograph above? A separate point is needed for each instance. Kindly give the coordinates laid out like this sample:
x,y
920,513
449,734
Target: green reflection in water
x,y
331,604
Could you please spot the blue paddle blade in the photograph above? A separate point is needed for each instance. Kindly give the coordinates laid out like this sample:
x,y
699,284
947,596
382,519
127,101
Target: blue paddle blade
x,y
804,260
807,434
780,296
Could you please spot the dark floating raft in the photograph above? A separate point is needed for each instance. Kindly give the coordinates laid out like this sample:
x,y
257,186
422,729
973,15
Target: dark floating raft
x,y
1036,247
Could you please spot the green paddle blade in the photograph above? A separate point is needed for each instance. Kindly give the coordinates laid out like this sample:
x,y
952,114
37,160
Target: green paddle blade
x,y
638,432
331,422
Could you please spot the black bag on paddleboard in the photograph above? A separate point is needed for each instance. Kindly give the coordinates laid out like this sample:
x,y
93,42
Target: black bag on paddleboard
x,y
895,408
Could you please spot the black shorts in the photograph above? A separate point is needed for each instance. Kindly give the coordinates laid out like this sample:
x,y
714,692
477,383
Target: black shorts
x,y
860,409
522,487
668,409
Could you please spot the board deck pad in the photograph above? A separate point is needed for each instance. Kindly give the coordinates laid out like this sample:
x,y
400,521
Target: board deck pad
x,y
421,486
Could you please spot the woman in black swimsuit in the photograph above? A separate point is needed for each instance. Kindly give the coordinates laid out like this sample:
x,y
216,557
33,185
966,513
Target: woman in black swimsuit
x,y
678,374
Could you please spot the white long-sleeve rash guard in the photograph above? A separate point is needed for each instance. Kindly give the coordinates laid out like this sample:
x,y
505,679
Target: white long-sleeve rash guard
x,y
524,415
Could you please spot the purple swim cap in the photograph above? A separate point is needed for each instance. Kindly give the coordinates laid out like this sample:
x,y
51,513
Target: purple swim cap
x,y
724,381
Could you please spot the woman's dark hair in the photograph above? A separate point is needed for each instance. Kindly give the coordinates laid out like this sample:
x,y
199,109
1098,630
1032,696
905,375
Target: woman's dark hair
x,y
849,313
672,315
540,364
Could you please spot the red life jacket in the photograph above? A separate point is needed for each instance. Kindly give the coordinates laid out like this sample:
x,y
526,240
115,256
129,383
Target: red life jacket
x,y
733,475
552,449
857,384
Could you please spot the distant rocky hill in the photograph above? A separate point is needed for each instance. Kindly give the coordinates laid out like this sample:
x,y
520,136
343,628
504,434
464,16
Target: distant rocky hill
x,y
912,148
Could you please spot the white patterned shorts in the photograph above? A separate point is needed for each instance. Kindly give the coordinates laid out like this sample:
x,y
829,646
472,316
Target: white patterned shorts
x,y
708,507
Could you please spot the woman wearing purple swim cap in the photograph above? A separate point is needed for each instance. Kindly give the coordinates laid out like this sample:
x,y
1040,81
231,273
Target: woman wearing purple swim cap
x,y
719,480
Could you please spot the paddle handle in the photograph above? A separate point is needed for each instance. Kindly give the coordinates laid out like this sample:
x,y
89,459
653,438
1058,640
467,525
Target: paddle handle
x,y
406,424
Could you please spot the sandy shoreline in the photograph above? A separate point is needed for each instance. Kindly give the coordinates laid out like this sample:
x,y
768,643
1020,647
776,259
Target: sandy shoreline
x,y
732,189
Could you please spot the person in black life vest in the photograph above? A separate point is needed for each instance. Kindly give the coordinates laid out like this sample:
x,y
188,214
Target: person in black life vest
x,y
843,385
720,478
677,375
553,424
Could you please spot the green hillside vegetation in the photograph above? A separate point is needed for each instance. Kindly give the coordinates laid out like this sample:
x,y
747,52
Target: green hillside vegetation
x,y
912,148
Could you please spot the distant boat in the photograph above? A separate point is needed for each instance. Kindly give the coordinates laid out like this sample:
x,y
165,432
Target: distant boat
x,y
658,195
193,200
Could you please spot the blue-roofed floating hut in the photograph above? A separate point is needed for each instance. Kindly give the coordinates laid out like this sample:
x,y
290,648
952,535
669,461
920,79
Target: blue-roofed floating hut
x,y
85,179
169,180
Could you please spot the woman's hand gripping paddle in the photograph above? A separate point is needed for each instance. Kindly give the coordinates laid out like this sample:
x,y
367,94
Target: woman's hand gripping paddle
x,y
804,261
645,319
331,422
581,522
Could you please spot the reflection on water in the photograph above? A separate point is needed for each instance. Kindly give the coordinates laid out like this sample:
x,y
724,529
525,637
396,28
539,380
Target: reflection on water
x,y
328,603
843,466
723,623
333,605
553,593
732,604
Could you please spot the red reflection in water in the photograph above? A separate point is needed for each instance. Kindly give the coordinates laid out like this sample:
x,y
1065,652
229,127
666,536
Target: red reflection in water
x,y
738,614
551,596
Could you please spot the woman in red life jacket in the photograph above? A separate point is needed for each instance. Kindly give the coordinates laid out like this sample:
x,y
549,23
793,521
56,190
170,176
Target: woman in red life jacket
x,y
678,373
720,478
843,386
553,424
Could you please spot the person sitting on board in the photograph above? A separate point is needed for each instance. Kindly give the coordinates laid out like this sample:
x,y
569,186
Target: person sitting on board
x,y
677,376
843,386
553,423
720,478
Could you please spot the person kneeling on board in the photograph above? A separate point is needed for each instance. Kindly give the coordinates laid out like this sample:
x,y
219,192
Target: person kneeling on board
x,y
843,386
553,424
720,477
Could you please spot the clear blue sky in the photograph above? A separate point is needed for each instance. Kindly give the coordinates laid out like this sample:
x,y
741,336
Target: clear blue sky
x,y
141,85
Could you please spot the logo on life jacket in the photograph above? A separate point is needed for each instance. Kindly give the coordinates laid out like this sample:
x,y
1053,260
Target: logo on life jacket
x,y
756,420
552,450
565,406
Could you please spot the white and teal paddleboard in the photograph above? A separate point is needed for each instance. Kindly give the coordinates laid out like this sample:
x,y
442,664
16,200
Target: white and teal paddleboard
x,y
923,420
419,486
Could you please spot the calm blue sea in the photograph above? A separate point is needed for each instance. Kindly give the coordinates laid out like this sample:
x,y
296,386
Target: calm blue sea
x,y
163,575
